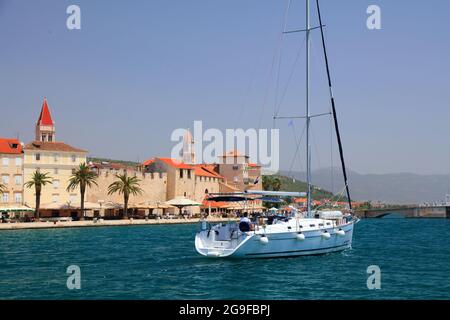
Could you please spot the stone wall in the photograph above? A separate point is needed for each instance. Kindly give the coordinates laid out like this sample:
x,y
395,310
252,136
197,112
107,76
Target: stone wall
x,y
153,184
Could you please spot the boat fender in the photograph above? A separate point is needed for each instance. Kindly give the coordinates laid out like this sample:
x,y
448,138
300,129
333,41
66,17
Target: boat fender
x,y
300,236
326,235
264,239
340,232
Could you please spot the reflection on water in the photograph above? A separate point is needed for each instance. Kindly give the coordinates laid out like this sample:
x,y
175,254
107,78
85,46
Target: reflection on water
x,y
159,262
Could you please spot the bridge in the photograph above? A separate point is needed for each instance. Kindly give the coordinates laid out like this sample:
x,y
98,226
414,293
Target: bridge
x,y
407,212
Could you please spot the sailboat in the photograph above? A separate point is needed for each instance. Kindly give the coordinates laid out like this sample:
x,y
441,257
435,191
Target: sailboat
x,y
302,233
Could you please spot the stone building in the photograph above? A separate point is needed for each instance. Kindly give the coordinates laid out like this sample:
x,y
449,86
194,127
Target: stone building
x,y
47,155
239,172
11,172
161,179
154,187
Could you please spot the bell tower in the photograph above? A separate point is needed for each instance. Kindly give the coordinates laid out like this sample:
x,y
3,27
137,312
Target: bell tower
x,y
188,148
45,127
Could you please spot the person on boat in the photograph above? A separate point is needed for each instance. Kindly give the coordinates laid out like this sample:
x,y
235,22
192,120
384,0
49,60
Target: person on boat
x,y
245,224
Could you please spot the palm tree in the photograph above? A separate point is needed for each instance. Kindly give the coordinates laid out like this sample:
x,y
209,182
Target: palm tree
x,y
271,183
2,188
276,184
84,178
38,180
127,186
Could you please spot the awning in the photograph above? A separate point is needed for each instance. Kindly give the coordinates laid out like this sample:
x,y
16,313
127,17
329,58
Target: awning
x,y
276,193
230,198
182,202
16,209
270,199
150,205
215,204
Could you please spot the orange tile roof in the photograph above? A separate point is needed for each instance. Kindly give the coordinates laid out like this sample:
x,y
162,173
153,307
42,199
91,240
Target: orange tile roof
x,y
254,165
175,163
52,146
148,162
215,204
170,162
45,118
201,170
8,146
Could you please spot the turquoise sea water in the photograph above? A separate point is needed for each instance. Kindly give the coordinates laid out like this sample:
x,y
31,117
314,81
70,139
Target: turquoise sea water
x,y
159,262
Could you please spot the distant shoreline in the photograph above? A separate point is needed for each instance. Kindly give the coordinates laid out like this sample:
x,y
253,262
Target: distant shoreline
x,y
104,223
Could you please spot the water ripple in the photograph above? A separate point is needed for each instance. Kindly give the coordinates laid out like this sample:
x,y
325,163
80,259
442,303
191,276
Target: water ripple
x,y
159,262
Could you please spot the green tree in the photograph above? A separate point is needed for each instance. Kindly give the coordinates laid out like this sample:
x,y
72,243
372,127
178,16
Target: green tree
x,y
267,182
38,180
271,183
83,178
276,184
127,186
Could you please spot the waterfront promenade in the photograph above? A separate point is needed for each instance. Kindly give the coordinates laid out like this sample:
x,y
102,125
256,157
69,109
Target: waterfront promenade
x,y
100,223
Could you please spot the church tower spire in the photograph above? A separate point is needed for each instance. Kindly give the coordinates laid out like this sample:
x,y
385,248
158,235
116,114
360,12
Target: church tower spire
x,y
188,148
45,127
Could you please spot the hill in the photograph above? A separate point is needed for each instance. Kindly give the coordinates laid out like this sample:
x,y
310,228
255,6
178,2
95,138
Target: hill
x,y
396,188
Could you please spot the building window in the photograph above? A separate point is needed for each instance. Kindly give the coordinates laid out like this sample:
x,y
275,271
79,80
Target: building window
x,y
74,170
55,198
5,179
38,156
18,180
55,184
181,173
5,162
55,171
73,198
50,138
55,157
5,197
17,197
189,174
74,158
18,161
206,191
44,137
235,168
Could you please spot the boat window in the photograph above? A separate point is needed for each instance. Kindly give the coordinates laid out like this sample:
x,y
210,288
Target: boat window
x,y
312,225
328,223
320,224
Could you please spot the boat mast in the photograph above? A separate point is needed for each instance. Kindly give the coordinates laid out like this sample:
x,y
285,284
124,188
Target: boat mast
x,y
333,107
308,116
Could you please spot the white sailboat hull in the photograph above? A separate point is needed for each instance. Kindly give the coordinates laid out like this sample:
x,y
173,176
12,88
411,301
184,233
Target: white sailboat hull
x,y
278,244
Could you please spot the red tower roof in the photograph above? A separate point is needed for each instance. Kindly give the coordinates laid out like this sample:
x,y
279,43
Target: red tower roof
x,y
45,118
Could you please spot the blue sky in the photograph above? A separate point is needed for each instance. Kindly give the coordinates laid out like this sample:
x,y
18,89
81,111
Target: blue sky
x,y
137,70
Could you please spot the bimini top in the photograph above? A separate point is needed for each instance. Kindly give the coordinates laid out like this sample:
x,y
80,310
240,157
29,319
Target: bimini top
x,y
229,198
276,193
